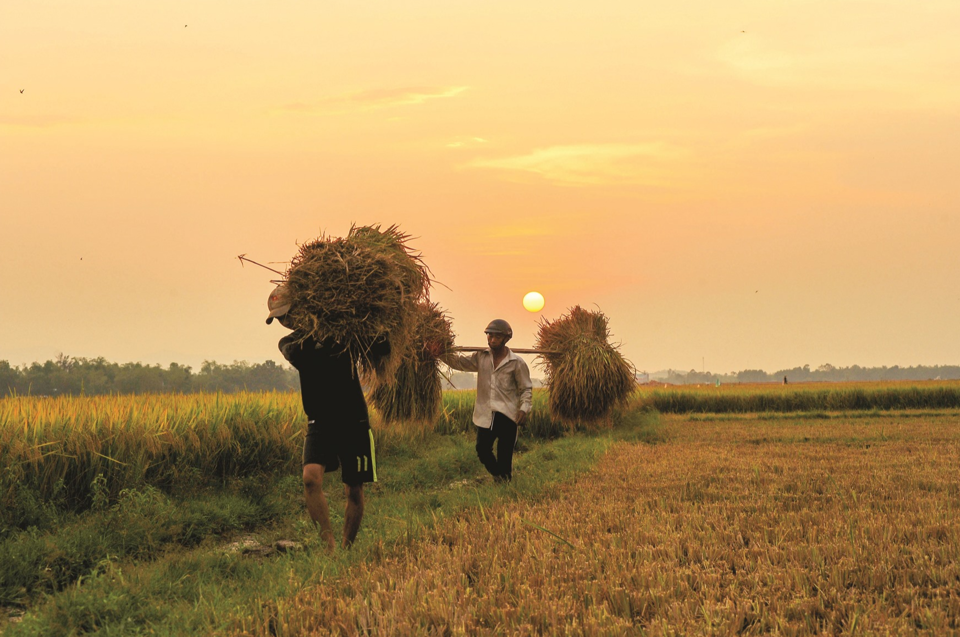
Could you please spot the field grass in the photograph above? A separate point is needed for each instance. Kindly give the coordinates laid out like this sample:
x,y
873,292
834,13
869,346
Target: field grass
x,y
752,526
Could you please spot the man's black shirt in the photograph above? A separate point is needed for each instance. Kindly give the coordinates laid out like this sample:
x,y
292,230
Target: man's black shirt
x,y
329,382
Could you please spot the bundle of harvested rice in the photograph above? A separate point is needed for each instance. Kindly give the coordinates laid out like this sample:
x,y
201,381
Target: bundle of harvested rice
x,y
359,291
391,243
416,394
586,375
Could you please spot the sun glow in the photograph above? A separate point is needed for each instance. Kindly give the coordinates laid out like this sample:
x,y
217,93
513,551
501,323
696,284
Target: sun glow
x,y
533,302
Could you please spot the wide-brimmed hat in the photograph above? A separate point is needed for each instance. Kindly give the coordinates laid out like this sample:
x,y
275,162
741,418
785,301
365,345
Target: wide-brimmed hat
x,y
278,302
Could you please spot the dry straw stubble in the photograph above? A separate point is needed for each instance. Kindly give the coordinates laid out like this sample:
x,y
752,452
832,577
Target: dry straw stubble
x,y
714,532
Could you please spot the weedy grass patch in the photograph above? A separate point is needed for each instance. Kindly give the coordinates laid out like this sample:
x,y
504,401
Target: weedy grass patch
x,y
140,526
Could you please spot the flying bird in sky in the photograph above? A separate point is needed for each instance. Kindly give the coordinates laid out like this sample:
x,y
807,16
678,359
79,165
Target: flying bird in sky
x,y
21,90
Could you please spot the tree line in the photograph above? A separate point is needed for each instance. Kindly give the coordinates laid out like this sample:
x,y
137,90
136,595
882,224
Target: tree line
x,y
93,376
824,373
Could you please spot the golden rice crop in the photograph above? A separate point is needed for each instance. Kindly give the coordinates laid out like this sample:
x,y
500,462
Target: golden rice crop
x,y
59,445
586,374
359,291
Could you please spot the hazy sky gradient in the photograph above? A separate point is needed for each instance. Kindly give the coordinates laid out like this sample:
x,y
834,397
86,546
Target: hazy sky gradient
x,y
737,185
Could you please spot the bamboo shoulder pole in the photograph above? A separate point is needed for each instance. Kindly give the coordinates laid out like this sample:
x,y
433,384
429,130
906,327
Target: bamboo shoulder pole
x,y
515,350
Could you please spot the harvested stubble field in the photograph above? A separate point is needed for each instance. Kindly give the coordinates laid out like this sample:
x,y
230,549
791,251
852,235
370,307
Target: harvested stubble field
x,y
840,524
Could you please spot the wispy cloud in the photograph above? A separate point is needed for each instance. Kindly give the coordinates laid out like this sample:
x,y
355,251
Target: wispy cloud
x,y
516,239
852,56
467,142
652,164
374,99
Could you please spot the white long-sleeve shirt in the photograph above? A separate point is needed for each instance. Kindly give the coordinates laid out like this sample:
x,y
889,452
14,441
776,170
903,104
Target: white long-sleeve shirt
x,y
507,389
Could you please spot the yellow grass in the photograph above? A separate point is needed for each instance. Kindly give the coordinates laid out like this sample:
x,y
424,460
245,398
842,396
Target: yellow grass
x,y
734,525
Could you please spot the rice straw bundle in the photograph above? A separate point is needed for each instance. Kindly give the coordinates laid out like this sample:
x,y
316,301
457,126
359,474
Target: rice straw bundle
x,y
417,393
586,375
391,243
359,291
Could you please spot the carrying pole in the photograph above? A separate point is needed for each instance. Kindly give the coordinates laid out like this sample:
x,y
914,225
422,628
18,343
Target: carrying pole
x,y
515,350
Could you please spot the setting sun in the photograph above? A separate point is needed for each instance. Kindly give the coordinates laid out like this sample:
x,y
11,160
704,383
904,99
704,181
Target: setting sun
x,y
533,302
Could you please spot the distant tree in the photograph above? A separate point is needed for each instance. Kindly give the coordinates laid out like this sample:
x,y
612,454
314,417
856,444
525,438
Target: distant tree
x,y
268,375
795,375
179,378
9,379
753,376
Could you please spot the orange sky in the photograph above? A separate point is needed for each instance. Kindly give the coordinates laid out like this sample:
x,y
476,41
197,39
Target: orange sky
x,y
747,184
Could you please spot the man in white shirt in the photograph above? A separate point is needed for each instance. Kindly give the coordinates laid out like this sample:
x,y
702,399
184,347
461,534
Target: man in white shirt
x,y
504,397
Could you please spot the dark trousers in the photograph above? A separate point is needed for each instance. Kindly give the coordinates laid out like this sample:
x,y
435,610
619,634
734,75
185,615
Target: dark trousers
x,y
504,433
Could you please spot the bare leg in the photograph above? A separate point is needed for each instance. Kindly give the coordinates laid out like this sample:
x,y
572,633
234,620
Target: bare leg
x,y
317,502
354,513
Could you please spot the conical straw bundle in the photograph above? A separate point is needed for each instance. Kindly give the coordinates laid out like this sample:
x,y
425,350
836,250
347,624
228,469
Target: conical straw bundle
x,y
359,292
417,393
586,375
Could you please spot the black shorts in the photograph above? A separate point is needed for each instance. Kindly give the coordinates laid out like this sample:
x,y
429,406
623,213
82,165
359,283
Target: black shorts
x,y
338,445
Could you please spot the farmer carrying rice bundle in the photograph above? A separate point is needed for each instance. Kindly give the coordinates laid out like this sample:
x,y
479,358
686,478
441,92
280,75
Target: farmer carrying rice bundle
x,y
353,305
504,397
